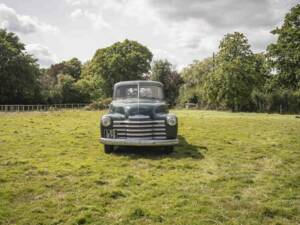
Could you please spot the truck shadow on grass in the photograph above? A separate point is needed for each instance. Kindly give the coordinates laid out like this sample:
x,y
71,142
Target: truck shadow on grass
x,y
182,150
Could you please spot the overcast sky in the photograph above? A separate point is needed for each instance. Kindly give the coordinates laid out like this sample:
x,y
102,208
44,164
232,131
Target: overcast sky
x,y
178,30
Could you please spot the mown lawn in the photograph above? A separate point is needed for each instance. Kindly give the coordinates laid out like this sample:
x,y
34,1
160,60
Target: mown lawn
x,y
240,168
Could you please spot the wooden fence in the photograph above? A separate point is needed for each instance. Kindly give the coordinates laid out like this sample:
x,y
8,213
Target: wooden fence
x,y
24,108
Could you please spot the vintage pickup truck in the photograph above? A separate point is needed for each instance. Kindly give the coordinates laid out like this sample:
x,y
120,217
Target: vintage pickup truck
x,y
138,116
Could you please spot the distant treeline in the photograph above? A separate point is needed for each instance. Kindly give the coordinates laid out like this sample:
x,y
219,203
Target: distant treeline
x,y
234,78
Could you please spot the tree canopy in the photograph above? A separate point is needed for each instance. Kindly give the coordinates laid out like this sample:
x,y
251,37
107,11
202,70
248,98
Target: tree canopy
x,y
162,71
127,60
18,71
59,83
285,53
234,76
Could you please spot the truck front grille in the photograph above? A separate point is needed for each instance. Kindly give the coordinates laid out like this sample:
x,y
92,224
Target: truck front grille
x,y
146,129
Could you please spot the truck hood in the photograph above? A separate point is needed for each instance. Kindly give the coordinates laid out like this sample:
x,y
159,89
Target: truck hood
x,y
136,111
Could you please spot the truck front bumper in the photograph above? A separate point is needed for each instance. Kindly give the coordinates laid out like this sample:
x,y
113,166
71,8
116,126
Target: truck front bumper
x,y
138,142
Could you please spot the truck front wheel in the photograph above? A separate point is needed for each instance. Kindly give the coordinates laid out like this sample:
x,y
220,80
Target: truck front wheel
x,y
108,149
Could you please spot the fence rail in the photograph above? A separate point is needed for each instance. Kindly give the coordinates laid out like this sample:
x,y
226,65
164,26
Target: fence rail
x,y
25,108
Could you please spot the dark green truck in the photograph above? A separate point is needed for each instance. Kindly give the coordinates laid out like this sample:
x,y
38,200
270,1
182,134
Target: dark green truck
x,y
138,116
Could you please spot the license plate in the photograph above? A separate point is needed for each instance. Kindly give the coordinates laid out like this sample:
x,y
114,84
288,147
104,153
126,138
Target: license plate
x,y
110,133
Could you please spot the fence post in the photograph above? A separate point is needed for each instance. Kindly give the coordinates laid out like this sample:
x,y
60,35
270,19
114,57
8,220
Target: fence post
x,y
280,109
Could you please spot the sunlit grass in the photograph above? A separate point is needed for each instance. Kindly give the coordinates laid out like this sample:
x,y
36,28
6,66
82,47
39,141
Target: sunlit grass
x,y
241,168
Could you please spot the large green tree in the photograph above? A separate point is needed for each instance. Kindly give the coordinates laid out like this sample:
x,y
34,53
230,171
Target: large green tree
x,y
127,60
285,53
162,71
232,82
18,72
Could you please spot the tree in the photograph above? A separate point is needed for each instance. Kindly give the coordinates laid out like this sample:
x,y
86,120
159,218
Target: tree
x,y
73,68
66,88
263,83
127,60
162,71
262,71
90,85
58,83
285,53
18,72
232,82
194,77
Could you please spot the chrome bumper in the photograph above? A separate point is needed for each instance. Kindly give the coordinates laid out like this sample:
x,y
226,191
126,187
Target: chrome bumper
x,y
138,142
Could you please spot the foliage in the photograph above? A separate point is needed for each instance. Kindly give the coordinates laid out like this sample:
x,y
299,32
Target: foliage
x,y
234,74
90,85
284,55
262,71
61,83
65,85
162,71
18,72
194,77
280,101
127,60
240,168
71,67
227,80
99,105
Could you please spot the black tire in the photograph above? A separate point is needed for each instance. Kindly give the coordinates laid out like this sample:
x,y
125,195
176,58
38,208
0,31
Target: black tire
x,y
169,149
108,149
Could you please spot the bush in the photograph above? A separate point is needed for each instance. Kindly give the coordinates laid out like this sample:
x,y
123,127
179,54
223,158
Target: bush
x,y
279,101
99,105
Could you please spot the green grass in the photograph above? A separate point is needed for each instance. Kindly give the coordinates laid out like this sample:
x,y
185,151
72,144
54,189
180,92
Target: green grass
x,y
240,168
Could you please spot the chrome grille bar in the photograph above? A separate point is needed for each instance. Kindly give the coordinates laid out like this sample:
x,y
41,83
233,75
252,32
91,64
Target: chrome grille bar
x,y
140,129
137,125
144,138
138,122
141,134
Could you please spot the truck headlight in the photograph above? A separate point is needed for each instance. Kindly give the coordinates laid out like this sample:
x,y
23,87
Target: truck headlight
x,y
106,121
171,120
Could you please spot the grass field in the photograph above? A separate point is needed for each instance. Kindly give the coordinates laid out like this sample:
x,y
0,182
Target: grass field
x,y
240,168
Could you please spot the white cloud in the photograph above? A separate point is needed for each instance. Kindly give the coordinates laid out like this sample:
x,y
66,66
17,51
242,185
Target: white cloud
x,y
74,2
77,13
42,53
12,21
178,30
95,18
162,54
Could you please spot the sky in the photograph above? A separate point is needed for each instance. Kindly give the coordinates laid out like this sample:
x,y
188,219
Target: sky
x,y
177,30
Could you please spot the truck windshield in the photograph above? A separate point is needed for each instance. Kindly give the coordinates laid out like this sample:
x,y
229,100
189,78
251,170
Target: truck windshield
x,y
146,91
